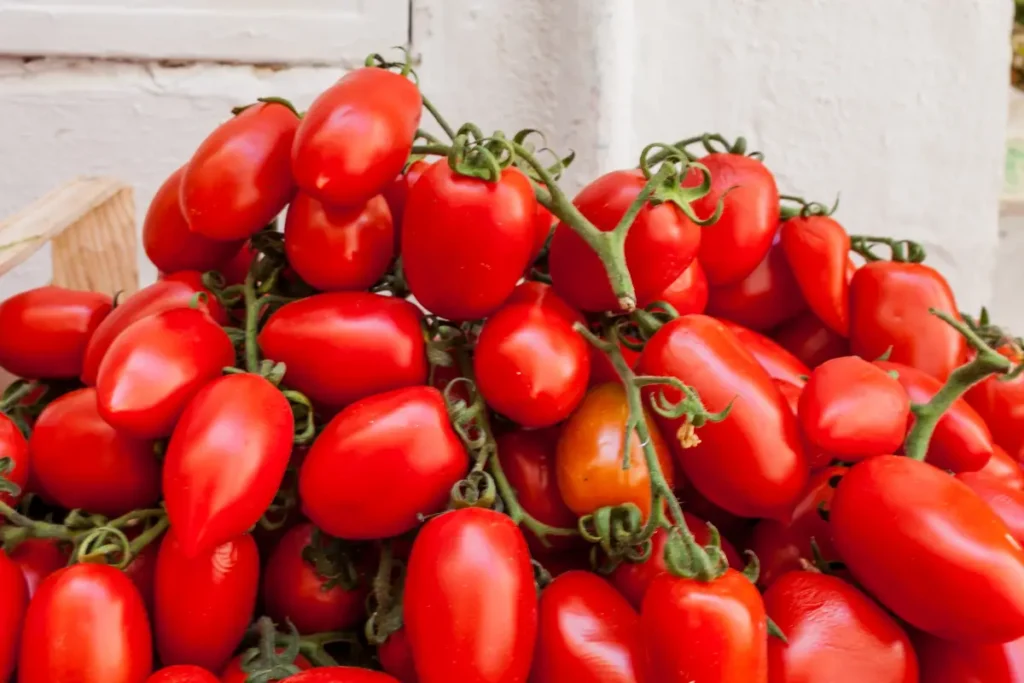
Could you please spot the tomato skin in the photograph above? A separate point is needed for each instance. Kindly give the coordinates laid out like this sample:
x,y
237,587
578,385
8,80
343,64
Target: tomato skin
x,y
1001,404
889,304
38,558
892,516
86,623
15,591
817,248
767,297
381,334
543,295
1002,469
462,628
395,656
225,460
835,633
183,673
688,293
1006,502
142,572
944,661
340,674
808,339
723,622
356,136
396,194
239,178
543,223
531,365
13,446
466,241
402,437
661,244
194,279
752,463
203,603
237,267
46,331
588,457
779,363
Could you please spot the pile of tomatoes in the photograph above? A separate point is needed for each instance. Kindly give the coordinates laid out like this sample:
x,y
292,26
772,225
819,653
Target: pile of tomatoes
x,y
444,423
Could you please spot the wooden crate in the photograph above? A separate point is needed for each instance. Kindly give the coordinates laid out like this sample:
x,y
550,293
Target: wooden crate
x,y
90,223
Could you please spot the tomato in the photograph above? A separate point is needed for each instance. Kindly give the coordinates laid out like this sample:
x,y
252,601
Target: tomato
x,y
767,297
1001,468
588,458
169,243
396,194
339,249
203,603
661,244
395,656
531,365
1005,501
13,450
909,532
119,475
586,632
46,331
225,460
194,279
1001,404
233,672
462,627
543,295
142,571
237,268
356,136
183,673
752,463
808,339
466,241
688,293
38,558
400,439
777,361
543,222
722,624
13,604
944,661
889,304
379,336
835,634
340,674
817,249
86,623
239,179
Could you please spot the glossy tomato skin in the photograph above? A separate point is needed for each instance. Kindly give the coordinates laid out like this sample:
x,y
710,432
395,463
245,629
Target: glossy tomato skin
x,y
817,248
381,335
893,517
15,592
239,179
752,463
944,661
356,136
1001,404
204,603
155,367
183,673
466,241
452,617
395,656
225,460
46,331
661,244
396,194
540,294
340,674
688,293
531,365
722,622
86,623
835,633
38,558
14,448
401,439
767,297
889,304
779,363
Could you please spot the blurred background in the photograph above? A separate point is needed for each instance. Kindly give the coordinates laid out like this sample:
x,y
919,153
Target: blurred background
x,y
904,108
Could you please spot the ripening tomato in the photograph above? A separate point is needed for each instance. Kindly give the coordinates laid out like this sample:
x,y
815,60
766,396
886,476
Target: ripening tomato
x,y
225,460
909,532
46,330
777,361
86,623
1002,469
13,603
340,674
688,293
183,673
396,194
835,634
38,558
817,249
889,303
234,673
203,603
661,244
696,631
239,178
466,241
588,458
356,136
395,656
470,606
379,336
944,661
751,463
810,340
767,297
1001,404
14,458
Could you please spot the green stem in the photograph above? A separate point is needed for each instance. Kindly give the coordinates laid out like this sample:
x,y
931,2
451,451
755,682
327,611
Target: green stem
x,y
252,313
148,536
15,395
445,126
432,149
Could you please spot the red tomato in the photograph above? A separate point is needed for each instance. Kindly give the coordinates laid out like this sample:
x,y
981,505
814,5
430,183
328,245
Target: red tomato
x,y
540,294
340,674
169,243
767,297
1001,404
892,516
688,293
142,571
183,673
203,603
470,604
817,249
808,339
944,661
239,179
379,336
119,475
233,672
835,634
531,365
356,136
889,304
1006,502
723,621
38,558
339,249
586,632
395,656
1001,468
236,269
397,193
402,437
86,623
194,279
46,331
14,457
752,463
543,222
466,241
777,361
226,460
14,590
661,244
